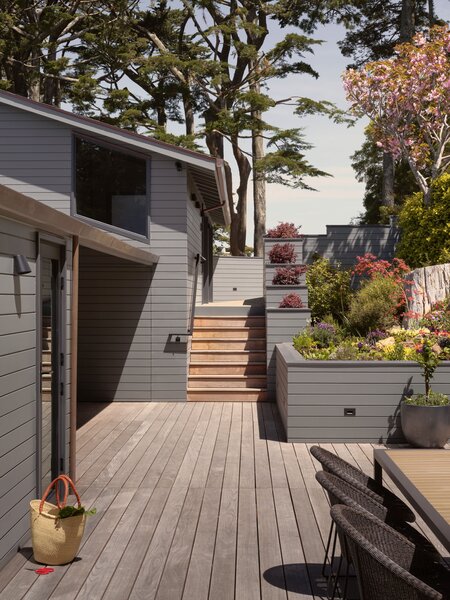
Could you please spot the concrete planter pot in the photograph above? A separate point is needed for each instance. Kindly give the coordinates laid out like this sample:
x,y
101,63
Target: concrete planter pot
x,y
346,401
425,426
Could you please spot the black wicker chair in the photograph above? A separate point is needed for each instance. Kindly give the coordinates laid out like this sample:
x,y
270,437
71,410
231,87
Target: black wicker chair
x,y
388,566
340,467
342,492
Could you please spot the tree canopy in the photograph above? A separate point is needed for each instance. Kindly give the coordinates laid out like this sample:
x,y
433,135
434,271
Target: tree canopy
x,y
407,99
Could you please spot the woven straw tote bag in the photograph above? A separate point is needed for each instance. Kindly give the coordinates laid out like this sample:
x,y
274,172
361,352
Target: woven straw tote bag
x,y
55,541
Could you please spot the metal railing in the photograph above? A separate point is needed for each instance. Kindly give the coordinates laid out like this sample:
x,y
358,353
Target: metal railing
x,y
199,259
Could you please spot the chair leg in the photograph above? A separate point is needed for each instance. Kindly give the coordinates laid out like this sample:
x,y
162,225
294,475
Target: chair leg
x,y
336,580
327,549
347,575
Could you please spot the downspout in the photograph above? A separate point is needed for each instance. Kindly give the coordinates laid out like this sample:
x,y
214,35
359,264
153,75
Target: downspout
x,y
74,356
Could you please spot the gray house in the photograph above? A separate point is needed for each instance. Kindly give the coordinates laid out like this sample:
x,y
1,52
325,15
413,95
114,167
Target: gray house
x,y
101,234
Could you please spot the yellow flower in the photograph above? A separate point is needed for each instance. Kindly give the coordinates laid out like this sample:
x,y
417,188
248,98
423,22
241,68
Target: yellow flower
x,y
386,343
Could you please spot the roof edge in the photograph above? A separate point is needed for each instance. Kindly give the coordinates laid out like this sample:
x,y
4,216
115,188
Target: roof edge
x,y
24,209
221,180
138,140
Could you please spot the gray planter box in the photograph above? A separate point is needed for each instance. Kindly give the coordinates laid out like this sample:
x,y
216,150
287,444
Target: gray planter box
x,y
314,397
282,324
270,268
276,293
269,243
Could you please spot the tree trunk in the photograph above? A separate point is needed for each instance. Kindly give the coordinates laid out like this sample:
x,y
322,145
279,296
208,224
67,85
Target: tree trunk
x,y
431,12
388,180
239,228
259,197
407,20
407,30
50,84
188,115
259,183
34,88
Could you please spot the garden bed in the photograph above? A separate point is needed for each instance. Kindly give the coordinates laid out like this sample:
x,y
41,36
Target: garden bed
x,y
313,396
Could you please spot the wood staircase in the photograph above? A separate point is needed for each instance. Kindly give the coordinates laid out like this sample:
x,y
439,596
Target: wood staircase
x,y
228,359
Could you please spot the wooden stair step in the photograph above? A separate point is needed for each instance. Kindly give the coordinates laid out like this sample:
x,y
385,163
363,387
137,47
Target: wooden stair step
x,y
228,344
229,332
223,381
229,356
227,368
227,395
231,321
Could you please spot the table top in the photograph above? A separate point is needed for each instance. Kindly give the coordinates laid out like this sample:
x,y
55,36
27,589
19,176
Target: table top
x,y
424,478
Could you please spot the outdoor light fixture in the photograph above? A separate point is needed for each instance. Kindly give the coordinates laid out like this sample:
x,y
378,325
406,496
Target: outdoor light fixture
x,y
21,266
179,166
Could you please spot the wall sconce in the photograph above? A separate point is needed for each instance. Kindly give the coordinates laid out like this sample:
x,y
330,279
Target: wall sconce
x,y
21,266
178,166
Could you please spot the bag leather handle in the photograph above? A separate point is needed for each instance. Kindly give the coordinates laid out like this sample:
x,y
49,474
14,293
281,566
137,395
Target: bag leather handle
x,y
66,481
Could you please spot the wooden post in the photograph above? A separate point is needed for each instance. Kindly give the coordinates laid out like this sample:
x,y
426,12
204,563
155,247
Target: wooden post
x,y
74,356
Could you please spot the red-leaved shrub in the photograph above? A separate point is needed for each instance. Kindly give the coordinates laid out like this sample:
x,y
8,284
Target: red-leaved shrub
x,y
288,275
371,267
283,253
284,230
291,301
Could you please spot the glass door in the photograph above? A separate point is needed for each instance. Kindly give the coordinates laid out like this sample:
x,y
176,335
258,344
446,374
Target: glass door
x,y
51,387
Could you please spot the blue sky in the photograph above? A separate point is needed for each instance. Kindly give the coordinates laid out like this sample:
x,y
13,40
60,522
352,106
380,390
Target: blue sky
x,y
339,198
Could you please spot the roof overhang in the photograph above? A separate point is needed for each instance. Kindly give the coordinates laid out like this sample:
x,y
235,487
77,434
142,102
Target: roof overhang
x,y
212,188
19,207
207,168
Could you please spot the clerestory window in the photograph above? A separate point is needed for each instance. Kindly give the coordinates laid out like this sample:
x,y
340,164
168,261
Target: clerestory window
x,y
111,187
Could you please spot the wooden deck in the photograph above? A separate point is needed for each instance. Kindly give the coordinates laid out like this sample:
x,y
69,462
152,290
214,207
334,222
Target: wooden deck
x,y
195,501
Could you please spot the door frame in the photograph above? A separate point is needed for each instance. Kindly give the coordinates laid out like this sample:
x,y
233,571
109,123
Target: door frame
x,y
56,249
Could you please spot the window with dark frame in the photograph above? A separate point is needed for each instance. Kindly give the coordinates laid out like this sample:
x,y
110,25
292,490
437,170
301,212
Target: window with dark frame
x,y
111,186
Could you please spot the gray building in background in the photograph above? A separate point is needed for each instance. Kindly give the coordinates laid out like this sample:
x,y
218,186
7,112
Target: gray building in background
x,y
101,232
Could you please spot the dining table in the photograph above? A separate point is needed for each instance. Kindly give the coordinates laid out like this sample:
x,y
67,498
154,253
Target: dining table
x,y
423,476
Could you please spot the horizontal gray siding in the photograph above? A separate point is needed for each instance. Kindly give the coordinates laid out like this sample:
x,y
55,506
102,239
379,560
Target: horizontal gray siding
x,y
240,272
169,289
343,243
282,325
18,373
35,157
114,345
36,160
17,386
313,395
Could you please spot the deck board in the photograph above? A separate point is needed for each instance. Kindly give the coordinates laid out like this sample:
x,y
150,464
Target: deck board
x,y
196,501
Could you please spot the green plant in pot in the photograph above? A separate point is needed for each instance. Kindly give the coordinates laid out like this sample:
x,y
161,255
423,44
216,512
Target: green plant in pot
x,y
426,417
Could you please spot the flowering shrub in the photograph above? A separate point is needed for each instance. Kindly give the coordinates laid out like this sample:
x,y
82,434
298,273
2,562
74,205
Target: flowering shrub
x,y
371,266
318,341
288,275
283,253
291,301
394,344
284,230
438,319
